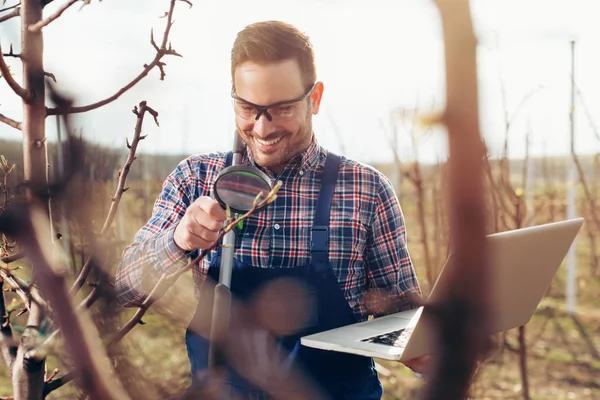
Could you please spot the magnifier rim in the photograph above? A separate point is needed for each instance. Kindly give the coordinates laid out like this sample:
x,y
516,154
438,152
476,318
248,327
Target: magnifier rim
x,y
244,168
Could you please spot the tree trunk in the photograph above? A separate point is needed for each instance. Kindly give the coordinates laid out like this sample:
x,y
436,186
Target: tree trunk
x,y
29,368
523,363
28,373
34,112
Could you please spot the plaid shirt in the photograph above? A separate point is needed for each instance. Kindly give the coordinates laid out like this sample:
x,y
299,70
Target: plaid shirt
x,y
367,239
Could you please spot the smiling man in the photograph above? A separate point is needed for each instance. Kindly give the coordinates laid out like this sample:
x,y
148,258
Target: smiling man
x,y
336,224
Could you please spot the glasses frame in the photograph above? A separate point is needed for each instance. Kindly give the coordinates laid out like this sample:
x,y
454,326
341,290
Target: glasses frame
x,y
265,109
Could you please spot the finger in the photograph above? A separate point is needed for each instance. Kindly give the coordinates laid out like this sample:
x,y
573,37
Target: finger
x,y
204,219
214,209
191,239
202,233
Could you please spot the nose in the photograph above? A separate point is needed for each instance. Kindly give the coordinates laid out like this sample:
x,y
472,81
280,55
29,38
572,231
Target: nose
x,y
263,127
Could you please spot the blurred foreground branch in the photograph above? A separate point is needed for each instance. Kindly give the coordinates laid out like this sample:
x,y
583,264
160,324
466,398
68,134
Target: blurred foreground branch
x,y
460,313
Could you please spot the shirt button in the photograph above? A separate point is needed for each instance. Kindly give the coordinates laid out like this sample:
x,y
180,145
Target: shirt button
x,y
276,226
301,172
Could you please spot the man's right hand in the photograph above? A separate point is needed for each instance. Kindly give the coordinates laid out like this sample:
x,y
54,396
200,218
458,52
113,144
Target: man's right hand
x,y
200,225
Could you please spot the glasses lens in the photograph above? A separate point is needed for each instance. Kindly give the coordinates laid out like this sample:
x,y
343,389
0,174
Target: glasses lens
x,y
283,112
244,110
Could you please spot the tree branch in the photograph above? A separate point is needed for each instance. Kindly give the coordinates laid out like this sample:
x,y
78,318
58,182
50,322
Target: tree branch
x,y
95,375
38,27
165,49
22,290
14,13
29,367
54,384
24,94
10,122
10,7
7,344
13,258
137,137
130,158
460,313
11,53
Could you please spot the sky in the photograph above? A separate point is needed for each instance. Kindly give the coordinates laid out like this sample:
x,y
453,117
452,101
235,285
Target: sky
x,y
375,57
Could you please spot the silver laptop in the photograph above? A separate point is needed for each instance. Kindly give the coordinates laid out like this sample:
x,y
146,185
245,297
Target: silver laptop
x,y
522,265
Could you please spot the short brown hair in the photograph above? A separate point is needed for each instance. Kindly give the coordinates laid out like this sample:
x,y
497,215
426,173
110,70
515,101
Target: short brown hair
x,y
274,41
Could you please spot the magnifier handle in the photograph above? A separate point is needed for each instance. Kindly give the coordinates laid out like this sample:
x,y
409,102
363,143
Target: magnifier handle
x,y
238,143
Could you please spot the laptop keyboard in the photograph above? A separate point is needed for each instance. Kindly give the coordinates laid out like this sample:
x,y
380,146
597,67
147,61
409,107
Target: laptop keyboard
x,y
394,339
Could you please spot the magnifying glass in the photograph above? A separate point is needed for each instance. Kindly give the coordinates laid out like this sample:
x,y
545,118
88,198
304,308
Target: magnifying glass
x,y
238,186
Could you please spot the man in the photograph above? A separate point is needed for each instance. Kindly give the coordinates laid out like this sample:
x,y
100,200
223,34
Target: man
x,y
354,243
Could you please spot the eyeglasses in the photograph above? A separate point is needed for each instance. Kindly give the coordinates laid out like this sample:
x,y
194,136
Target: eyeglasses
x,y
282,110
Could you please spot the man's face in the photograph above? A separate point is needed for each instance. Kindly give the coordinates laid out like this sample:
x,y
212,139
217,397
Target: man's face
x,y
274,142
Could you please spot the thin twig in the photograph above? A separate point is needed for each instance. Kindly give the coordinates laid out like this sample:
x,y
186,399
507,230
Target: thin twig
x,y
13,258
24,94
167,280
14,13
58,383
11,53
10,7
165,49
52,375
50,75
22,290
7,343
10,122
137,137
38,26
587,113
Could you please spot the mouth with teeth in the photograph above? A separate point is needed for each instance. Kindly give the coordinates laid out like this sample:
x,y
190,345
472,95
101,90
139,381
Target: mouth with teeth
x,y
267,145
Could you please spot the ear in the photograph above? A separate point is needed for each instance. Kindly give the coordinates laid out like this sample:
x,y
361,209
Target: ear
x,y
316,96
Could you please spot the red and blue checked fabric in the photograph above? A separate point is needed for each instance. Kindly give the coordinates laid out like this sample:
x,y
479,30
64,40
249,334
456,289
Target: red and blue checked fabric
x,y
367,242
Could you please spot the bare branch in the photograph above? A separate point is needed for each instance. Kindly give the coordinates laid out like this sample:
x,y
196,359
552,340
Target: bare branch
x,y
188,2
152,42
30,225
461,313
156,62
14,13
11,53
57,383
24,94
169,25
9,7
29,367
38,26
10,122
13,258
7,344
588,114
50,75
85,270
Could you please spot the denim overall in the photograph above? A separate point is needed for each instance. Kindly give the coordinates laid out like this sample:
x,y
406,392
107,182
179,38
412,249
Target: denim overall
x,y
339,375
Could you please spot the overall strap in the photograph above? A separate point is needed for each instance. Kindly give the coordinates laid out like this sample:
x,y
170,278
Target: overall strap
x,y
228,159
319,233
